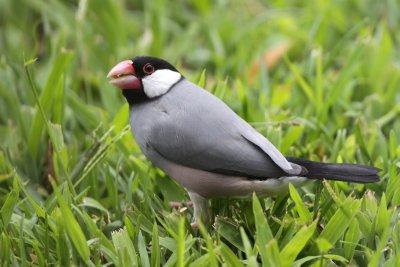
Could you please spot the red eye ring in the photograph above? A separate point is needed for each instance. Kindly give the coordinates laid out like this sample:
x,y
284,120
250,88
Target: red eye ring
x,y
148,68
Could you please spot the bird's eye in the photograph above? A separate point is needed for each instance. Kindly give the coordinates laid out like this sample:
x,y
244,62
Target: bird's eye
x,y
148,68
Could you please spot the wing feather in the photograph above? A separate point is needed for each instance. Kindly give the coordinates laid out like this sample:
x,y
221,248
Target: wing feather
x,y
200,131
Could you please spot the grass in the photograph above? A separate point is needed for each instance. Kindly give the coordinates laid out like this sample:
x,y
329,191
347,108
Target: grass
x,y
319,78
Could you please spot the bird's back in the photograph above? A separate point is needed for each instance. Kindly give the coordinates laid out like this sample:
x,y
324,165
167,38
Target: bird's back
x,y
191,127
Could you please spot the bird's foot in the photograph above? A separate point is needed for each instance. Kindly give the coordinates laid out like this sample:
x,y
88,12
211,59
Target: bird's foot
x,y
177,204
201,210
194,225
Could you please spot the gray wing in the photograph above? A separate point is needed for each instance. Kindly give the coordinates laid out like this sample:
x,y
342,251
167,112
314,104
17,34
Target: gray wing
x,y
198,130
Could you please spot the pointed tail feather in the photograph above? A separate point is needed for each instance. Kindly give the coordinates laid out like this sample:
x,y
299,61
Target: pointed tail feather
x,y
334,171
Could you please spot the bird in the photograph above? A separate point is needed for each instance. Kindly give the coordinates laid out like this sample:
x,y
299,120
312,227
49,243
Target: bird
x,y
201,143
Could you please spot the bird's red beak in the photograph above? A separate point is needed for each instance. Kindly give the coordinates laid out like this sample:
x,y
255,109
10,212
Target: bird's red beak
x,y
123,76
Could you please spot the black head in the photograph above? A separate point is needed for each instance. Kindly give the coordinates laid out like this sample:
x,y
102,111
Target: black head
x,y
146,65
143,77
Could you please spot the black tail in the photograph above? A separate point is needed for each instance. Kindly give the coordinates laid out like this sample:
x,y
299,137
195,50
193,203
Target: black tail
x,y
341,172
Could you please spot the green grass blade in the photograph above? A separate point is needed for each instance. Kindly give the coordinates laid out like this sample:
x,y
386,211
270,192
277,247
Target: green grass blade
x,y
144,257
251,257
229,256
383,217
273,256
263,232
295,246
52,88
229,231
8,208
304,214
340,221
155,247
124,247
74,230
212,258
351,238
180,243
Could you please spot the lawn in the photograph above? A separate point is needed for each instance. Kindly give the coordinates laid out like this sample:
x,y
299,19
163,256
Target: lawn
x,y
320,79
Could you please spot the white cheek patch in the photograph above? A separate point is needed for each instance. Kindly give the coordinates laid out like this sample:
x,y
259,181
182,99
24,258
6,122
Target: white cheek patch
x,y
159,82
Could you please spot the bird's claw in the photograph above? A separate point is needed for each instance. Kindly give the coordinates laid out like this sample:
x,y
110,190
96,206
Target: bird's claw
x,y
177,205
194,225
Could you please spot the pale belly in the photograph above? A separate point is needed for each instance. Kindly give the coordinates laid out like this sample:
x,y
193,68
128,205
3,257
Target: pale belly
x,y
212,185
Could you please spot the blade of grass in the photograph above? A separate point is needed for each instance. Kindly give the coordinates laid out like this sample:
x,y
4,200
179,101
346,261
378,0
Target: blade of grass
x,y
351,239
144,258
340,221
124,247
304,214
251,257
295,246
74,230
263,232
229,257
53,87
180,243
155,247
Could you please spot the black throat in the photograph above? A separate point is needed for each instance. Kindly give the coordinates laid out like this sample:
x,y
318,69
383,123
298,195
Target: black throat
x,y
134,96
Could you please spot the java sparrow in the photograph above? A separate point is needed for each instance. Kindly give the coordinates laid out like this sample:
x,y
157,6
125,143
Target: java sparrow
x,y
196,139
